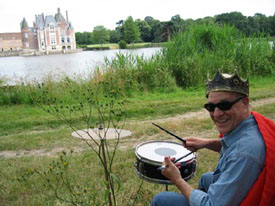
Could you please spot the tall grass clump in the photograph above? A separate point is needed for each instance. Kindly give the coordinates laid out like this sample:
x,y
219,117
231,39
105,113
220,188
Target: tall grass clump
x,y
202,49
135,73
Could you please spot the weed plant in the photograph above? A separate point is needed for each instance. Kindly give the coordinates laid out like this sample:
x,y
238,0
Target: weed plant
x,y
184,62
24,179
202,49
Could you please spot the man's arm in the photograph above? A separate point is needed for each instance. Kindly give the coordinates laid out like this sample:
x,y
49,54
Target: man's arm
x,y
195,143
172,172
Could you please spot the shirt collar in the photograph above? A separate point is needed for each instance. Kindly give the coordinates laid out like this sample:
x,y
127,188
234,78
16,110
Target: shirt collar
x,y
230,138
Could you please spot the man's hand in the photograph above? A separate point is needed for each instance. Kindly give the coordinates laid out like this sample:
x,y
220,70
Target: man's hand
x,y
171,170
195,143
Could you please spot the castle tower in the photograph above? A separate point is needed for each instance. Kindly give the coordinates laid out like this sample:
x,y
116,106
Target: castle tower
x,y
25,34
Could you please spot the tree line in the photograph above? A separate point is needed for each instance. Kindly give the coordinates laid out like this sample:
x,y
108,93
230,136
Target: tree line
x,y
153,30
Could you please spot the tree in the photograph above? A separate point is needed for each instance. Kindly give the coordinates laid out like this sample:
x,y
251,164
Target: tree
x,y
131,30
154,24
234,19
164,32
115,36
178,23
120,30
262,21
145,30
83,38
100,35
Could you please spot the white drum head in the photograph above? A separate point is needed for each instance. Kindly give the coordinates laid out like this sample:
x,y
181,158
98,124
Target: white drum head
x,y
156,151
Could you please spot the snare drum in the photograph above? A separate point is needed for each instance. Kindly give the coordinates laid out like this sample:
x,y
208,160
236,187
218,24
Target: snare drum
x,y
150,156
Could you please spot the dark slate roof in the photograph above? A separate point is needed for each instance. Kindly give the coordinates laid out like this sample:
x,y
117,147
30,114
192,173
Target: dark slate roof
x,y
39,21
24,24
48,20
59,17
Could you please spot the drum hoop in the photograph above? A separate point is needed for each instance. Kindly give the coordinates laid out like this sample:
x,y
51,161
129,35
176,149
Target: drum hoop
x,y
164,182
146,160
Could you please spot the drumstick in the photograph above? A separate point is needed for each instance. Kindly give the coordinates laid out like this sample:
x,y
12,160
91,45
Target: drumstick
x,y
179,138
180,158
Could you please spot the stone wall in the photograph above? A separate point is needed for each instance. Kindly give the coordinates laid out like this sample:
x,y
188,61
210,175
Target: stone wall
x,y
10,53
10,42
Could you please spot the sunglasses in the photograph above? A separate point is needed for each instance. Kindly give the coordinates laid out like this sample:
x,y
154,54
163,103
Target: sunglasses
x,y
224,105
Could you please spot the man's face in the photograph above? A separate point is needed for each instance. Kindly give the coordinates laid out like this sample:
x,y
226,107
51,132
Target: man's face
x,y
228,120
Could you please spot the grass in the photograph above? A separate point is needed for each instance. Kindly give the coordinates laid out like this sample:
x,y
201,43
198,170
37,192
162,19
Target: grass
x,y
110,45
27,129
129,46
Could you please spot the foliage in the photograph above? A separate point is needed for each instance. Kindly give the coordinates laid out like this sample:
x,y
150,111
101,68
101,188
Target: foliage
x,y
83,170
145,30
251,25
134,73
59,179
154,24
122,44
153,30
100,35
96,107
17,94
83,38
200,50
131,30
115,36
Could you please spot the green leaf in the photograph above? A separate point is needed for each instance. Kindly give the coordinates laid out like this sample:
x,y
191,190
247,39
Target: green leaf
x,y
107,191
116,179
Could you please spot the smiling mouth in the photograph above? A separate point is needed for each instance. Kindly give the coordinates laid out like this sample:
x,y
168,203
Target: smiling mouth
x,y
221,121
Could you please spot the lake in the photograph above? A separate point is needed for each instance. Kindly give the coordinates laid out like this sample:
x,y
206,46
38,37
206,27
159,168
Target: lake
x,y
21,69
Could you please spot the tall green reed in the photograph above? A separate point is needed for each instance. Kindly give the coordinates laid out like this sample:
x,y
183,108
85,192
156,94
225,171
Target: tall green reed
x,y
202,49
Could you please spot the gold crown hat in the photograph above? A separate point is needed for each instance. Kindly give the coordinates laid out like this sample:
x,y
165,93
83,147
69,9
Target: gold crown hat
x,y
227,82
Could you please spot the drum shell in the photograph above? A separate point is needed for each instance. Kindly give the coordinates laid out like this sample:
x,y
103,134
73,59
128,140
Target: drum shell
x,y
148,170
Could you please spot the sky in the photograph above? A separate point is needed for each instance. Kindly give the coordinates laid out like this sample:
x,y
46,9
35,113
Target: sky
x,y
86,14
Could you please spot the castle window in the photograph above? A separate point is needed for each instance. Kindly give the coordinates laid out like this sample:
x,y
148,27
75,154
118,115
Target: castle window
x,y
26,35
27,45
63,40
53,41
52,28
68,40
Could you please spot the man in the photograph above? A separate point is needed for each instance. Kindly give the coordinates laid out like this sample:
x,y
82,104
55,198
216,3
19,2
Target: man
x,y
242,151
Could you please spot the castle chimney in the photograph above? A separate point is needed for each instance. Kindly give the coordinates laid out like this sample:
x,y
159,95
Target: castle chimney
x,y
67,17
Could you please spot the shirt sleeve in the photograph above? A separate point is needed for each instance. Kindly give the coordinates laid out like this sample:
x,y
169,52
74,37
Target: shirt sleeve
x,y
231,185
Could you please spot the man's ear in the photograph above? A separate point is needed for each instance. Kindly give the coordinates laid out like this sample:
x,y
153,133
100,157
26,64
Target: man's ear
x,y
246,101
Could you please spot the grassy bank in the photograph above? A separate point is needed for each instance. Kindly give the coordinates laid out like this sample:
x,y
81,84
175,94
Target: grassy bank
x,y
34,136
34,130
116,46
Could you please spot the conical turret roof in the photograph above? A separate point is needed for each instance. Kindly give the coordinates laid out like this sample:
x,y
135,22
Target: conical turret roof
x,y
24,24
59,17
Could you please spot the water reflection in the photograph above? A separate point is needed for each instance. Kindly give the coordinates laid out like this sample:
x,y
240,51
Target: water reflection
x,y
18,69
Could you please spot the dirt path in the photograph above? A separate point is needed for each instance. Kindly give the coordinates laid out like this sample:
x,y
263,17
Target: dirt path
x,y
125,144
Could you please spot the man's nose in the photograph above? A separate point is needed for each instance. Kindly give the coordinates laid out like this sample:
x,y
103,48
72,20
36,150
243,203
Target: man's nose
x,y
217,112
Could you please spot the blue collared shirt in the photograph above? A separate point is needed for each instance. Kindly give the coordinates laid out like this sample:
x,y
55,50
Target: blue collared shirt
x,y
241,161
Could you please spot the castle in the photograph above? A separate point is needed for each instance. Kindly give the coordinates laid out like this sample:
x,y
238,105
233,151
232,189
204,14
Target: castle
x,y
49,34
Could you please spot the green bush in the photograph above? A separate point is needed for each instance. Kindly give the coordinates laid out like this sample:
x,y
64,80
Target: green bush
x,y
122,44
